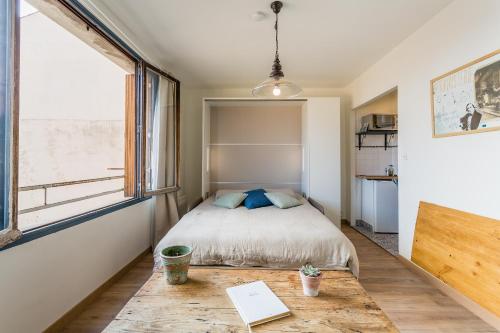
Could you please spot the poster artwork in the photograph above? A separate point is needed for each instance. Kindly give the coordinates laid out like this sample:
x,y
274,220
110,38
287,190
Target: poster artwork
x,y
467,100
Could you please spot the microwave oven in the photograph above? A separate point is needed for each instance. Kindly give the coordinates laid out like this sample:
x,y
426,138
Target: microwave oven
x,y
379,122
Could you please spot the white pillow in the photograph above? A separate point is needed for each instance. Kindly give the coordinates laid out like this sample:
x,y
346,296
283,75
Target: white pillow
x,y
285,190
230,200
283,200
220,193
288,191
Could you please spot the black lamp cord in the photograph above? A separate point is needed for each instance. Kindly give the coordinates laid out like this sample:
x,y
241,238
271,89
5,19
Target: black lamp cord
x,y
276,29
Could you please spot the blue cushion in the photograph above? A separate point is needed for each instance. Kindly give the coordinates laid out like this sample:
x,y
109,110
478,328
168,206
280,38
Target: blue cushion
x,y
256,199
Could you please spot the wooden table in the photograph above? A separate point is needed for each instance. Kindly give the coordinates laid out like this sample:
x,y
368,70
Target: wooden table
x,y
202,305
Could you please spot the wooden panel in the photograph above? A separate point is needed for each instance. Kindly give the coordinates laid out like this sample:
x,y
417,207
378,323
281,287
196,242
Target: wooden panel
x,y
129,183
462,250
201,305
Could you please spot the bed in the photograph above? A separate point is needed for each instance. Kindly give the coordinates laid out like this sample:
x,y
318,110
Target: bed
x,y
263,237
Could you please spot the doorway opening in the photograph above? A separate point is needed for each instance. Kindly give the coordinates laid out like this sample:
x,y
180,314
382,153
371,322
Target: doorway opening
x,y
376,170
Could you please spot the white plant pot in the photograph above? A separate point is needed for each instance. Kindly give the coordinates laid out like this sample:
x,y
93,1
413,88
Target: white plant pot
x,y
310,285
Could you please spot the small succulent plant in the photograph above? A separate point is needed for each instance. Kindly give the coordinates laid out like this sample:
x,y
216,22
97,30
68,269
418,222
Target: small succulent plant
x,y
310,270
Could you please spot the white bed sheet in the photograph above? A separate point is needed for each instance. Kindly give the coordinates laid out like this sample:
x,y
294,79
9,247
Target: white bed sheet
x,y
267,237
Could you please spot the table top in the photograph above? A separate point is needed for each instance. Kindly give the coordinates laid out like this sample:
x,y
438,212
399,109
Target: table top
x,y
202,305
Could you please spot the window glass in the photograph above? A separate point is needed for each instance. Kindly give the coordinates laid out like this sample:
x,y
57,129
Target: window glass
x,y
74,93
6,79
160,157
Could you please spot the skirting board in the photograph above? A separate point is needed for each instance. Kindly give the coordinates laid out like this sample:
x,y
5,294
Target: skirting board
x,y
466,302
59,324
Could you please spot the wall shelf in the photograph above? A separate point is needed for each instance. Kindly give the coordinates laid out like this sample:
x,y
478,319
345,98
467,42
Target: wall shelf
x,y
372,146
386,133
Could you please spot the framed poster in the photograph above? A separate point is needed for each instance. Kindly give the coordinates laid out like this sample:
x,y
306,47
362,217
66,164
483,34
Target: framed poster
x,y
467,99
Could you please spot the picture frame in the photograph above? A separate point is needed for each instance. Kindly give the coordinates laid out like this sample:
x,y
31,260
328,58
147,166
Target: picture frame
x,y
466,100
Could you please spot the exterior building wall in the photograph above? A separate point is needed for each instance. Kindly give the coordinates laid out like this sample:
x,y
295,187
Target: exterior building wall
x,y
72,111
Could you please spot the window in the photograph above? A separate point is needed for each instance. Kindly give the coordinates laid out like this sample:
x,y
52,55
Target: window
x,y
161,133
71,117
8,102
73,130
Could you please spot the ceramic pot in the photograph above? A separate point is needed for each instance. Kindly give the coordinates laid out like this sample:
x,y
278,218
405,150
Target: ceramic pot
x,y
310,284
176,261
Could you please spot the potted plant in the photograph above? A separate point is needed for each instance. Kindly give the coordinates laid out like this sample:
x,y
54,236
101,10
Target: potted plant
x,y
176,261
311,278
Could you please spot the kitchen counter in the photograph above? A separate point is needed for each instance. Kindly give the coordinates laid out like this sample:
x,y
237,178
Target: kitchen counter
x,y
375,177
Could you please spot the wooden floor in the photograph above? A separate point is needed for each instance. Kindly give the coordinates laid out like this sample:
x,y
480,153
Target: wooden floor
x,y
410,302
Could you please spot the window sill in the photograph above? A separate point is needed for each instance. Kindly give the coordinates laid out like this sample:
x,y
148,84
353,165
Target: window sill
x,y
38,232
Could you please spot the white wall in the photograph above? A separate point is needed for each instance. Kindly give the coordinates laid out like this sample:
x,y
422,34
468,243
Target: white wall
x,y
458,172
43,279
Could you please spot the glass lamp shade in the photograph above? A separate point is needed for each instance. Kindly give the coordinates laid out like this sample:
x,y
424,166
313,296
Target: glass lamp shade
x,y
272,88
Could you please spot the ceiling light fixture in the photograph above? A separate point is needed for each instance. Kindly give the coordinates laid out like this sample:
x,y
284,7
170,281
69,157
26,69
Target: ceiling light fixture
x,y
275,86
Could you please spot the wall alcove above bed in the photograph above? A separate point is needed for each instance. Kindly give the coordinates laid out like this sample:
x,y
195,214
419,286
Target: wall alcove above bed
x,y
294,143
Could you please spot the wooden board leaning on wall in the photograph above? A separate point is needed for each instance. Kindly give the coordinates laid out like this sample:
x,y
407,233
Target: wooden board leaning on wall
x,y
462,250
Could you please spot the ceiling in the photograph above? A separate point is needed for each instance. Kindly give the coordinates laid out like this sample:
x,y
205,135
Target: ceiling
x,y
217,44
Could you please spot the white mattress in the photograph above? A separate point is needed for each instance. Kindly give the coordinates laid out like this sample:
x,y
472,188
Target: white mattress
x,y
267,237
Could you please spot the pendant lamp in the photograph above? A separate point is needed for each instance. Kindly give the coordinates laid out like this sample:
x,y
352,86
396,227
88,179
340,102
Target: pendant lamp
x,y
276,86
